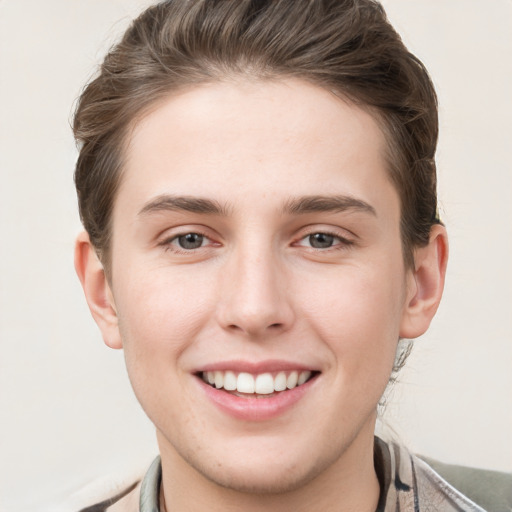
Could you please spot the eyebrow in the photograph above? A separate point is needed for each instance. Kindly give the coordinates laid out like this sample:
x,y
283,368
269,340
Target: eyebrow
x,y
316,203
190,204
294,206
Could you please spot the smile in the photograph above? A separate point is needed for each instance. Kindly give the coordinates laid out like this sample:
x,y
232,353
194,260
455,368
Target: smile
x,y
262,385
257,391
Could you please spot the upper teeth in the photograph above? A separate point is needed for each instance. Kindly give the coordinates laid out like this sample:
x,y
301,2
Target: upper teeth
x,y
262,383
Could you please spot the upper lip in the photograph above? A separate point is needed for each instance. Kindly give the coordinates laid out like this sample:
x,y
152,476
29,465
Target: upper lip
x,y
255,367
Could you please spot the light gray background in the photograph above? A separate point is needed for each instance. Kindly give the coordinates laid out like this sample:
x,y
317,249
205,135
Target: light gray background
x,y
67,412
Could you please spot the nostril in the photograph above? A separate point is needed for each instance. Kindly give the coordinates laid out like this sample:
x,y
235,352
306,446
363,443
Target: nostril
x,y
275,326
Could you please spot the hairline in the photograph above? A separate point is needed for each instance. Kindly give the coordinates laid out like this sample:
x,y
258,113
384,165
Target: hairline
x,y
236,77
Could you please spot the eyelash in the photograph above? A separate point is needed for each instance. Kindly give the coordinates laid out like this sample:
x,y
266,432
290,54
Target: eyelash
x,y
343,242
171,243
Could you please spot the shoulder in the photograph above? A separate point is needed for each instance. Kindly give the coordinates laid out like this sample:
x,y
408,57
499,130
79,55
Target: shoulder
x,y
418,484
112,493
135,490
125,501
492,490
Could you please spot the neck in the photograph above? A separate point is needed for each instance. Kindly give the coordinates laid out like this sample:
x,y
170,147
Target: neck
x,y
349,484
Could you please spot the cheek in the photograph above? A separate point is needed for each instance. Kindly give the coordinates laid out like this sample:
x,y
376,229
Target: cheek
x,y
160,313
159,318
357,314
165,300
355,298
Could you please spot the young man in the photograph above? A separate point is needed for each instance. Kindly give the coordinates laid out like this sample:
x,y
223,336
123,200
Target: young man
x,y
257,184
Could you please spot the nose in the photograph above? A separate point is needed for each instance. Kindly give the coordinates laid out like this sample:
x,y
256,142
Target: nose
x,y
254,296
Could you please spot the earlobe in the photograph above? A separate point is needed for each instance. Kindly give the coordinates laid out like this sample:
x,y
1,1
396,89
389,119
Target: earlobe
x,y
426,284
97,290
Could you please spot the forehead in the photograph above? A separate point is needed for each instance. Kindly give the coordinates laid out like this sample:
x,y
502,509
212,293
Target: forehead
x,y
233,139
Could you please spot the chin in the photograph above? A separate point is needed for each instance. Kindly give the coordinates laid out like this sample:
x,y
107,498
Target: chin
x,y
268,479
261,466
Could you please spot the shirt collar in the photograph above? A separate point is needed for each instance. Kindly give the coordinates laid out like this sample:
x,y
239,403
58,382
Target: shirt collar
x,y
150,488
391,465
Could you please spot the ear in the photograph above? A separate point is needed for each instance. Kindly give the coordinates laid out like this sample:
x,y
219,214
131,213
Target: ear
x,y
97,290
425,284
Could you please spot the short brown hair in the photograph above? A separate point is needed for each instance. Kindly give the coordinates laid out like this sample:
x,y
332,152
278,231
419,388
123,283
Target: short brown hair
x,y
347,46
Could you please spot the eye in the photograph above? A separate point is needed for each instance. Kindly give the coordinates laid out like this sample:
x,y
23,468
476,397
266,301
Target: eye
x,y
321,240
189,241
185,242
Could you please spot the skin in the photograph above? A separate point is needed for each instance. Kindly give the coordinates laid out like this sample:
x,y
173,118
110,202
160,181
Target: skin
x,y
257,290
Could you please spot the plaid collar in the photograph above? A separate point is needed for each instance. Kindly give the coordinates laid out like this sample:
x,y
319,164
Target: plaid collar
x,y
150,488
407,484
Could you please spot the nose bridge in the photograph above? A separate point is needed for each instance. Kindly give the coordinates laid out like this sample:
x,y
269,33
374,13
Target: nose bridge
x,y
254,296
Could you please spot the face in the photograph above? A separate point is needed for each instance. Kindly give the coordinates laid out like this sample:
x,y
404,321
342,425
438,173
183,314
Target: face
x,y
258,280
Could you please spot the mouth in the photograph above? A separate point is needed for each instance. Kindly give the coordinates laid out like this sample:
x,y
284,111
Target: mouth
x,y
261,385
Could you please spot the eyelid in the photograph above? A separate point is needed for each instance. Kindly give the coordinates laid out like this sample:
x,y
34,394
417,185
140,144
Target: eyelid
x,y
344,241
167,238
338,232
170,235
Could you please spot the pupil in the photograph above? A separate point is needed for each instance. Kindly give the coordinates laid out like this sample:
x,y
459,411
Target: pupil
x,y
321,240
190,241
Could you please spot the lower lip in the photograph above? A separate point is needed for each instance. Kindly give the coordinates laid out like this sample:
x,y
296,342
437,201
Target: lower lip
x,y
256,409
